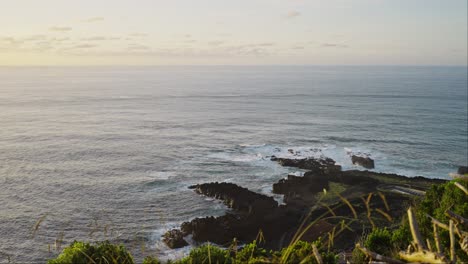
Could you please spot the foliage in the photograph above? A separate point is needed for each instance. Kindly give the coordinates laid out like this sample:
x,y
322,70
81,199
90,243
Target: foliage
x,y
103,252
379,241
437,200
151,260
207,254
401,237
252,254
301,252
358,256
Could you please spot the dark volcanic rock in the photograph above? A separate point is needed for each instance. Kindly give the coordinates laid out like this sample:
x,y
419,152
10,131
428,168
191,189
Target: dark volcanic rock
x,y
301,191
174,239
365,162
463,170
221,230
254,212
323,166
236,197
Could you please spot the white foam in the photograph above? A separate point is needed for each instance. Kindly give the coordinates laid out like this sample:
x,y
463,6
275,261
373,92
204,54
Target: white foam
x,y
237,157
342,155
162,175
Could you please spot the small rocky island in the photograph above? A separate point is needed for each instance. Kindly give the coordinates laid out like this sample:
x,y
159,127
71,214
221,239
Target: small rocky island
x,y
321,199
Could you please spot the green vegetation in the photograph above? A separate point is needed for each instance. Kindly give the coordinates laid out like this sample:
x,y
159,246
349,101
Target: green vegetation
x,y
438,199
207,254
104,252
251,254
301,252
380,241
151,260
384,241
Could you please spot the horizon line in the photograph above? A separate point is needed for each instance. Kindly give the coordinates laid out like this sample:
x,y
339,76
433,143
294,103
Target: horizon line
x,y
233,65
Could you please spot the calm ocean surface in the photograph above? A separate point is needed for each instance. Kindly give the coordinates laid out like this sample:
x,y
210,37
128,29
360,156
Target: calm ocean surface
x,y
108,152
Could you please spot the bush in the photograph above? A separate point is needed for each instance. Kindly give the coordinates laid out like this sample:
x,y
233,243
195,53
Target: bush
x,y
301,252
358,256
252,254
401,237
379,241
435,203
151,260
103,252
207,254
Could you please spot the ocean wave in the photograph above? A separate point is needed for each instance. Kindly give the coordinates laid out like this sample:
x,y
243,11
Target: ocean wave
x,y
364,140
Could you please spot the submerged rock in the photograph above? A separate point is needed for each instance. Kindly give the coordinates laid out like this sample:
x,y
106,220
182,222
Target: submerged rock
x,y
174,239
365,162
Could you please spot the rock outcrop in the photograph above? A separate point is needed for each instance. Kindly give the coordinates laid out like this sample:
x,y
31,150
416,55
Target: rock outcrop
x,y
236,197
252,212
174,239
462,170
365,162
321,166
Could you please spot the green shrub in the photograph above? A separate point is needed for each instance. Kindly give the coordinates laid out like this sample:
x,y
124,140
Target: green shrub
x,y
252,254
401,237
437,200
358,256
207,254
151,260
379,241
103,252
301,252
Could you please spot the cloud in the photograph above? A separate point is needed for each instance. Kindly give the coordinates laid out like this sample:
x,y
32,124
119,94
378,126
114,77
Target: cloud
x,y
100,38
139,35
292,14
35,37
8,43
137,47
265,44
334,45
60,29
95,38
93,19
250,49
216,43
84,46
43,46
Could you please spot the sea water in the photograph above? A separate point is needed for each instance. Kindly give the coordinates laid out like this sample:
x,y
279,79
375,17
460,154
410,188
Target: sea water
x,y
95,153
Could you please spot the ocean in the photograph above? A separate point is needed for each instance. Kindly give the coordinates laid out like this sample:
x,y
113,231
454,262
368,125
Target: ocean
x,y
95,153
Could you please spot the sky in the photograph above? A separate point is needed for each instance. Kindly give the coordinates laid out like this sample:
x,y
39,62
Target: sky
x,y
233,32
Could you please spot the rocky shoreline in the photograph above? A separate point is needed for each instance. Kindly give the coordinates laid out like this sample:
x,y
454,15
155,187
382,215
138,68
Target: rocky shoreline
x,y
321,198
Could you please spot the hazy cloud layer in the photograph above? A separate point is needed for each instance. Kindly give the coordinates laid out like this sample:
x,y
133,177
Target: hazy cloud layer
x,y
334,45
100,38
84,46
93,19
60,29
139,35
216,43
